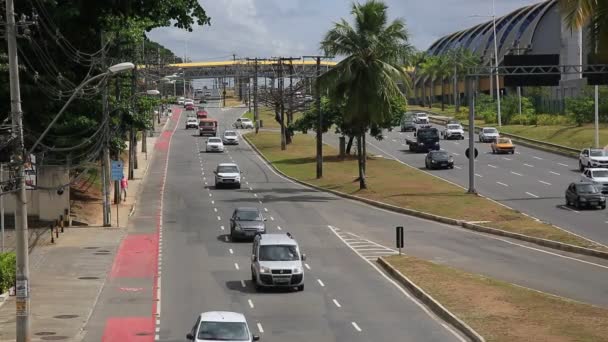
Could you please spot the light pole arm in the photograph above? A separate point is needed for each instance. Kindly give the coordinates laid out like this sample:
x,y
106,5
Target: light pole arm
x,y
76,91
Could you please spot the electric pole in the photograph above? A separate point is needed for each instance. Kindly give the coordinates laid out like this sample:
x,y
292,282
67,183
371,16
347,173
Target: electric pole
x,y
22,302
255,90
106,148
319,118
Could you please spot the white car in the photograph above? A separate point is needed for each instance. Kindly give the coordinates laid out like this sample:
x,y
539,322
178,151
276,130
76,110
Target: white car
x,y
230,138
221,326
453,131
191,122
214,145
227,174
243,123
421,118
597,176
488,134
592,157
188,102
180,101
277,262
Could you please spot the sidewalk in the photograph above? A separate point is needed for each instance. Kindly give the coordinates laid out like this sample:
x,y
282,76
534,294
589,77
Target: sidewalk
x,y
67,277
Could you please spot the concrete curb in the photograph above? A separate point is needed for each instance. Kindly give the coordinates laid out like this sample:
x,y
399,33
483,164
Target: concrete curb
x,y
475,227
430,302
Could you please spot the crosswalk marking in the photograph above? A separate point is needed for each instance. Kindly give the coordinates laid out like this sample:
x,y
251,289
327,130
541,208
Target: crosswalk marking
x,y
367,249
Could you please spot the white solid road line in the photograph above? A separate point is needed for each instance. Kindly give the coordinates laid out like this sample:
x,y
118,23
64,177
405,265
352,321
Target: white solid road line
x,y
320,283
555,173
528,165
531,194
492,166
515,173
260,329
250,303
503,184
236,265
356,326
544,182
563,164
336,302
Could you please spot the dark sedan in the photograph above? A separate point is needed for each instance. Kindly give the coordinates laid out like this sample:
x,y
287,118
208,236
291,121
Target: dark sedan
x,y
439,160
584,194
246,223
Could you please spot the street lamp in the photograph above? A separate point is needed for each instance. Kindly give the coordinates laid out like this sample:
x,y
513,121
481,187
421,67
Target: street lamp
x,y
113,70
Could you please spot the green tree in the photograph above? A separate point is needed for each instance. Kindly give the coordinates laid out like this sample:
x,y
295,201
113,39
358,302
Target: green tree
x,y
592,14
459,61
416,61
430,70
367,79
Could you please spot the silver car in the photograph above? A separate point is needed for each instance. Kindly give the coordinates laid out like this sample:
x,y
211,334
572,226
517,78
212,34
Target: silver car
x,y
276,261
246,223
230,138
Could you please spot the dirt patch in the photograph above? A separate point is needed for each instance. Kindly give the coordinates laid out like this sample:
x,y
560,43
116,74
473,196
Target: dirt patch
x,y
86,203
503,312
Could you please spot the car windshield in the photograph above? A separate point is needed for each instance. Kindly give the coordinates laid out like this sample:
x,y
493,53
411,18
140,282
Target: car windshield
x,y
598,153
214,140
245,120
427,133
586,189
453,126
440,155
600,174
223,331
489,130
207,124
248,215
504,141
278,253
421,115
230,134
227,169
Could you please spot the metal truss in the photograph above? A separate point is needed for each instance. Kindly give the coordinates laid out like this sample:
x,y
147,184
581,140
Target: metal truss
x,y
531,70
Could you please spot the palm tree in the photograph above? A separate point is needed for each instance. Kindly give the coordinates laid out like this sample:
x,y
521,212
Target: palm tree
x,y
443,70
460,60
429,69
416,61
594,13
367,78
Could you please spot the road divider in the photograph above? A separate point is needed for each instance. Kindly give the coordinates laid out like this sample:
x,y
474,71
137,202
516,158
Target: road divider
x,y
546,235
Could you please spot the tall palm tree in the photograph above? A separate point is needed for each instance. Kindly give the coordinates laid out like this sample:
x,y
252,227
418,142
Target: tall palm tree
x,y
367,78
443,71
460,60
594,13
415,61
429,69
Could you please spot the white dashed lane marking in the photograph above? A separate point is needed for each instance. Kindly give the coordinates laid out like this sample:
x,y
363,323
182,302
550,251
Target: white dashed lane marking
x,y
503,184
458,167
531,194
566,165
555,173
356,326
528,165
492,166
336,302
517,174
478,175
320,283
236,266
250,303
544,182
260,329
535,157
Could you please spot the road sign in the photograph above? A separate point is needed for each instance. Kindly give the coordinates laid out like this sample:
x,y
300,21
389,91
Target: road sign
x,y
117,170
399,238
466,153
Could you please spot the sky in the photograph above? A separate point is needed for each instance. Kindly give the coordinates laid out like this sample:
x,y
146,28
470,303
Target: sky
x,y
271,28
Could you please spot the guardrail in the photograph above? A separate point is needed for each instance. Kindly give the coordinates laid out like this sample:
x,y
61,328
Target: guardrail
x,y
538,144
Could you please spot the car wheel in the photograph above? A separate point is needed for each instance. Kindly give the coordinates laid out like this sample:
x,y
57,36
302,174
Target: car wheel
x,y
577,204
238,186
603,206
426,165
462,138
567,202
301,287
581,167
512,152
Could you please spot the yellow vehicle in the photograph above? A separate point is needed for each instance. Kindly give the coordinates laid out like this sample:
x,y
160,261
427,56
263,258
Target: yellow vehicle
x,y
503,145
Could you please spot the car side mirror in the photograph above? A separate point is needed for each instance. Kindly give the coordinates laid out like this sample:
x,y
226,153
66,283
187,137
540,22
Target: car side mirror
x,y
256,338
303,257
189,337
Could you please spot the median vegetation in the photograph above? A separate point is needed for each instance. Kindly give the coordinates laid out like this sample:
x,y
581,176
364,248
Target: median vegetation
x,y
7,271
394,183
503,312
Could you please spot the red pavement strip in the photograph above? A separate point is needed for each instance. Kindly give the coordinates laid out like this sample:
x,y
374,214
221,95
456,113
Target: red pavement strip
x,y
137,257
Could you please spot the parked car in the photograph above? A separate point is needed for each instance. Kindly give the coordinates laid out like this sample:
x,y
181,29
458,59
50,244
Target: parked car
x,y
246,223
584,194
422,118
227,174
488,134
191,122
243,123
453,131
439,160
230,138
592,157
502,145
214,145
597,176
221,326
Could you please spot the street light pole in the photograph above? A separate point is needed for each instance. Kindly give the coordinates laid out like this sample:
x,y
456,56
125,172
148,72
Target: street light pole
x,y
496,62
23,333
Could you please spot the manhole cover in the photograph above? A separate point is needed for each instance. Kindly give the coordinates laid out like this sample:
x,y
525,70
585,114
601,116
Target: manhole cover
x,y
143,334
54,338
44,333
88,278
91,247
65,316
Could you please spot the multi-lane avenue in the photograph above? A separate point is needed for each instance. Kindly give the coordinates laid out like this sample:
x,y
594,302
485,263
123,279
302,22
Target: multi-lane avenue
x,y
531,181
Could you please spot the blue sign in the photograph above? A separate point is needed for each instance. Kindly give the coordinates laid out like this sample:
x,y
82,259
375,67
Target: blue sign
x,y
117,170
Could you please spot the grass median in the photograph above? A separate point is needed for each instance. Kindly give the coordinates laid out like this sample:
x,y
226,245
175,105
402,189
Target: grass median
x,y
233,102
394,183
502,312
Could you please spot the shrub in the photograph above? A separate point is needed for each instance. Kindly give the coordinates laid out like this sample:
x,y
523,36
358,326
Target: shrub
x,y
523,119
489,117
7,271
580,109
553,120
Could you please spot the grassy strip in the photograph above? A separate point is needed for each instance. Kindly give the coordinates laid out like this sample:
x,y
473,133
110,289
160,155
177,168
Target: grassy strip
x,y
232,102
393,183
569,136
501,311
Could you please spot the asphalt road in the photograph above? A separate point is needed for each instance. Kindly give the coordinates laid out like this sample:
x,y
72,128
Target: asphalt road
x,y
531,181
346,298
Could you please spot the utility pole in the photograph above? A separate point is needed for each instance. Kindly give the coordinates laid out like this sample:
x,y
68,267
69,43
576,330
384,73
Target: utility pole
x,y
132,136
255,90
224,88
23,332
106,148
